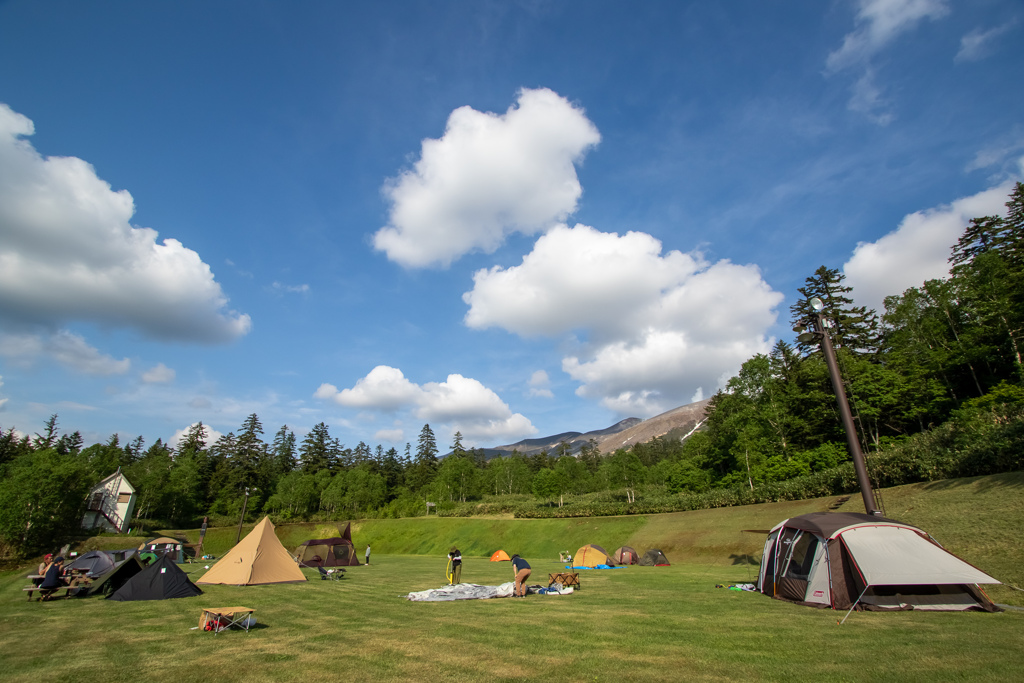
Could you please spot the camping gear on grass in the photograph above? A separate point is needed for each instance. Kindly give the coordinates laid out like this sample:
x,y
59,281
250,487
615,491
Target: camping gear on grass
x,y
626,555
654,558
329,552
847,560
257,559
161,580
219,619
500,556
592,556
331,574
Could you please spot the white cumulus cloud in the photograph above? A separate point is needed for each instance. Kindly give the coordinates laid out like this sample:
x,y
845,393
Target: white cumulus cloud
x,y
158,374
69,252
539,384
460,403
490,175
919,248
67,348
660,329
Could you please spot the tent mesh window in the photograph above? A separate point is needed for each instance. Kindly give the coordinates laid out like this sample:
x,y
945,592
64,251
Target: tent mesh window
x,y
801,557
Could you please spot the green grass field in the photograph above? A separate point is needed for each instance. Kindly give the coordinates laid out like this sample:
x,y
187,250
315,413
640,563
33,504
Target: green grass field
x,y
638,623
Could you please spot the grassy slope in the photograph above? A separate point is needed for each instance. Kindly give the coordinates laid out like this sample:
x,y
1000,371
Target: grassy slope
x,y
636,623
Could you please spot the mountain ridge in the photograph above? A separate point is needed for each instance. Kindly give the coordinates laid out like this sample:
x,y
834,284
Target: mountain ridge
x,y
623,434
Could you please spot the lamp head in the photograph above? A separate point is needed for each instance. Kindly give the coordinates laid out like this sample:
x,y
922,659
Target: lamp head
x,y
817,304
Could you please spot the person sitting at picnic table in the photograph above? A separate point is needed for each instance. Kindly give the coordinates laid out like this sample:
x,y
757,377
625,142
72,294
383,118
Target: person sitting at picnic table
x,y
42,568
52,580
521,568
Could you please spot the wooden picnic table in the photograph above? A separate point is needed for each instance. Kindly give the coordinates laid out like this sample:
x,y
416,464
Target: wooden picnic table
x,y
76,583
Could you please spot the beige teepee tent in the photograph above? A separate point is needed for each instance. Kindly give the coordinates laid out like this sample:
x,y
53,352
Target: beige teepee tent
x,y
258,558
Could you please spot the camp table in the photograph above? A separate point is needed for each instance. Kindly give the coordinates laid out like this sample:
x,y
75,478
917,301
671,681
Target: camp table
x,y
234,616
567,579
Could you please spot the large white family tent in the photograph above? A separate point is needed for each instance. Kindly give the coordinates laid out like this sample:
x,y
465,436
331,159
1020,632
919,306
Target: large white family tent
x,y
259,558
846,560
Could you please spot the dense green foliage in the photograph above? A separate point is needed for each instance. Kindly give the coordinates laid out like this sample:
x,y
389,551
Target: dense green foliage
x,y
935,387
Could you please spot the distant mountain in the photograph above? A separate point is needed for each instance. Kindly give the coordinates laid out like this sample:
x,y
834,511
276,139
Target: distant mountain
x,y
684,420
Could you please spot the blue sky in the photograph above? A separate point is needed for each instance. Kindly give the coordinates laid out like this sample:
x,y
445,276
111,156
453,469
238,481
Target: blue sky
x,y
509,219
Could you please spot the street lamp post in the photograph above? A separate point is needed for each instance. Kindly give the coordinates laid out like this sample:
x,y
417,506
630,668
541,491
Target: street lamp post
x,y
820,334
245,502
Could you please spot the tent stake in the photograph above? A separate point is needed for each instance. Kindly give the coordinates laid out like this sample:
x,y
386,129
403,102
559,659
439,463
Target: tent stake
x,y
840,623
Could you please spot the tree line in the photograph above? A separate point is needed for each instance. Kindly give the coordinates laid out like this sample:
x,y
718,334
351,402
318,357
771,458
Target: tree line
x,y
935,348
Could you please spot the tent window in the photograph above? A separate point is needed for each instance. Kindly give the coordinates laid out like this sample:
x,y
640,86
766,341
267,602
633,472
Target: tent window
x,y
802,556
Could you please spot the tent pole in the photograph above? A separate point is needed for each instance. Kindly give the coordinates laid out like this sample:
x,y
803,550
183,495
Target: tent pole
x,y
840,623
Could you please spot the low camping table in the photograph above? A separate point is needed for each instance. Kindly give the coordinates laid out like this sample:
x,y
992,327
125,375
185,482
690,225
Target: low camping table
x,y
226,617
567,579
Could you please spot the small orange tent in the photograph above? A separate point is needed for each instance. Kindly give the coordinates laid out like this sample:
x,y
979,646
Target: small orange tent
x,y
258,558
500,556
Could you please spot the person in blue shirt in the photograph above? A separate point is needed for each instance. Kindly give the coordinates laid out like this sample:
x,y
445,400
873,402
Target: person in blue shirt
x,y
52,580
522,570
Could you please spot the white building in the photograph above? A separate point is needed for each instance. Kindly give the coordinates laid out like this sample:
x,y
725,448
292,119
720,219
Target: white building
x,y
110,504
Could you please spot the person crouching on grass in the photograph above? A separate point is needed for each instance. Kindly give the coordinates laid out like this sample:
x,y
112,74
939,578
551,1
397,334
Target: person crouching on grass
x,y
522,570
455,557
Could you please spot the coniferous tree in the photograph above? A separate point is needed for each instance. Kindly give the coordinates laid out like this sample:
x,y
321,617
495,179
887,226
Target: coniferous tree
x,y
49,436
851,327
315,451
283,450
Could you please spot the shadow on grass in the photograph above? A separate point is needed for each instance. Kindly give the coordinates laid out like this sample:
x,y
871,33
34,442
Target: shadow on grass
x,y
745,559
982,484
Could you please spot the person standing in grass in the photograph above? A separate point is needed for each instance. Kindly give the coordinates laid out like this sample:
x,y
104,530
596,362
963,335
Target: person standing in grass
x,y
521,568
367,554
455,557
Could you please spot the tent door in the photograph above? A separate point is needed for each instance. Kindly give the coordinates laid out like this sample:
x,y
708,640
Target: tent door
x,y
766,578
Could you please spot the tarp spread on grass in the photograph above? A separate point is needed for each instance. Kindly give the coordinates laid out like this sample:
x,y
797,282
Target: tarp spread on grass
x,y
472,591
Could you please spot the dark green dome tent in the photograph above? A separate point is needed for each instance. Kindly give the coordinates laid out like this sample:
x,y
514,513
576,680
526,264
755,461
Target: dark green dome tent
x,y
654,558
161,580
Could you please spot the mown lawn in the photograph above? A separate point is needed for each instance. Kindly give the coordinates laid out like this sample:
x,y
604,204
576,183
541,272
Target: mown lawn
x,y
638,623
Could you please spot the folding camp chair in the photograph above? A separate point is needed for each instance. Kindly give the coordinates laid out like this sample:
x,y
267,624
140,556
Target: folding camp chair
x,y
330,576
